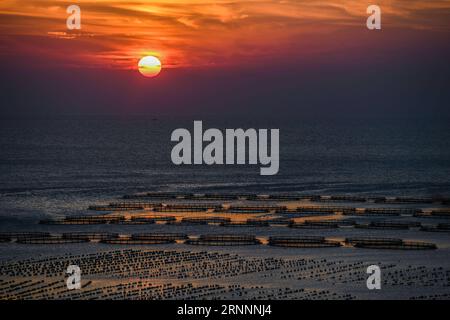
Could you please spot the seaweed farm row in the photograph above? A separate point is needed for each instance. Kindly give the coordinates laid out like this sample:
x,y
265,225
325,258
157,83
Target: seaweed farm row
x,y
185,275
185,207
305,210
213,240
287,197
224,247
108,219
254,222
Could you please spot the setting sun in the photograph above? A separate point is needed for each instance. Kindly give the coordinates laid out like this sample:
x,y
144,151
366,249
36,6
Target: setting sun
x,y
149,66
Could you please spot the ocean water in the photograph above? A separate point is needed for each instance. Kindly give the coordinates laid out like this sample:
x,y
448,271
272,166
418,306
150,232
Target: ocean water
x,y
59,166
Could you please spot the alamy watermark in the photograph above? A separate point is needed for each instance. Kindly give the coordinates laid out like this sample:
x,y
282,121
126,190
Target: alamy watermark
x,y
374,280
237,142
74,20
74,279
374,20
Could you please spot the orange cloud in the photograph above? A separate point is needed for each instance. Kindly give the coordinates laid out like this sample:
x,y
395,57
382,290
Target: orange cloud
x,y
186,33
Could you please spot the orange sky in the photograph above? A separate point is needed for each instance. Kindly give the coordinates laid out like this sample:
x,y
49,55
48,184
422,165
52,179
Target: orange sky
x,y
185,33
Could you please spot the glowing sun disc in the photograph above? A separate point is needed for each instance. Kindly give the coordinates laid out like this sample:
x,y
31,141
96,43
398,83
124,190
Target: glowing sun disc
x,y
149,66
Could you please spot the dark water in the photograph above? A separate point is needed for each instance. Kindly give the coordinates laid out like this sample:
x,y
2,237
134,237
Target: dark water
x,y
59,166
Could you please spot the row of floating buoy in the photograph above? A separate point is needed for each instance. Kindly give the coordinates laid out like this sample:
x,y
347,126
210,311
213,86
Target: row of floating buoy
x,y
302,210
257,207
348,211
204,220
242,211
158,207
388,243
215,240
394,225
440,227
179,209
289,197
391,200
147,238
442,213
18,235
170,195
325,224
303,242
227,222
225,240
104,237
115,208
384,212
107,219
104,219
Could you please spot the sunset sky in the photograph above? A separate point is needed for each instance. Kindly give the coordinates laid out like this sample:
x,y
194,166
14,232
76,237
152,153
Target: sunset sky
x,y
220,54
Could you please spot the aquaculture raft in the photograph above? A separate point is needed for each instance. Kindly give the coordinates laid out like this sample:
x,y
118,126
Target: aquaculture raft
x,y
129,240
389,243
440,213
405,245
163,218
178,209
134,204
22,235
90,236
315,224
49,240
114,207
404,200
217,196
389,225
214,196
159,236
85,220
235,224
202,220
339,198
302,242
286,197
249,209
441,227
391,211
373,241
224,240
137,220
4,239
279,221
327,209
257,223
155,195
314,211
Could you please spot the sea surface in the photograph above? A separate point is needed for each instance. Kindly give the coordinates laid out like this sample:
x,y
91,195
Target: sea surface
x,y
59,166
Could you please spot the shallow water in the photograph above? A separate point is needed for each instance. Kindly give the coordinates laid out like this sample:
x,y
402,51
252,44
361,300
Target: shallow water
x,y
60,166
56,167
